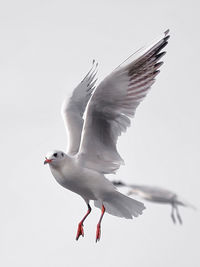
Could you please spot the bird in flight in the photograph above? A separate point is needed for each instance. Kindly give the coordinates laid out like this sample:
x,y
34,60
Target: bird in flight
x,y
157,195
94,117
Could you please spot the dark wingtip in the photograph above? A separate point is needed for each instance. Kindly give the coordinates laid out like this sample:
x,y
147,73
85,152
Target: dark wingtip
x,y
167,36
94,62
118,183
160,55
166,32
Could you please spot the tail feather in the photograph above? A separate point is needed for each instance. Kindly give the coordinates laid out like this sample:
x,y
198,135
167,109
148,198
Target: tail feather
x,y
120,205
185,203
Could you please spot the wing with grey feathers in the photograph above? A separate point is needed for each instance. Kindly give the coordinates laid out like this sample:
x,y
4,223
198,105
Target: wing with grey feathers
x,y
74,108
114,102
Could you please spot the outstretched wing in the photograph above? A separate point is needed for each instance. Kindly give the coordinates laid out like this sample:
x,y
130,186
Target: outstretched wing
x,y
114,102
73,109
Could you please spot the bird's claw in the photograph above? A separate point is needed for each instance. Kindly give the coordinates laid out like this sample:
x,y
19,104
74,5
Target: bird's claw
x,y
80,231
98,233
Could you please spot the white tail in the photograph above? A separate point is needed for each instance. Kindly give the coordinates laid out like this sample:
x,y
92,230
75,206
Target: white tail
x,y
120,205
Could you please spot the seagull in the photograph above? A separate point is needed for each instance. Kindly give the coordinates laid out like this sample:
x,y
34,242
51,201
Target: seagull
x,y
94,117
157,195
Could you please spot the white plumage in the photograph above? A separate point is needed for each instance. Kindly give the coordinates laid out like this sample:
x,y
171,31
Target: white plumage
x,y
94,118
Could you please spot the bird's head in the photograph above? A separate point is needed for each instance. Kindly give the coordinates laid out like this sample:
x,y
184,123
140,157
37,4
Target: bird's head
x,y
54,158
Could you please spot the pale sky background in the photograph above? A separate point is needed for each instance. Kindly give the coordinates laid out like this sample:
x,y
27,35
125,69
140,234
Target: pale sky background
x,y
46,47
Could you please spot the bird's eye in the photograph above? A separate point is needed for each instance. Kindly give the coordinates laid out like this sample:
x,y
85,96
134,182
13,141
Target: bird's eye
x,y
55,155
62,154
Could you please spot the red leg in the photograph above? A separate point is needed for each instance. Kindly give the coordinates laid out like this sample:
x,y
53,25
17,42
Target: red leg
x,y
98,232
80,225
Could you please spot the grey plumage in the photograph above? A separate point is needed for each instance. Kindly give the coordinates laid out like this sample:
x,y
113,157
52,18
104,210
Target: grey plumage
x,y
157,195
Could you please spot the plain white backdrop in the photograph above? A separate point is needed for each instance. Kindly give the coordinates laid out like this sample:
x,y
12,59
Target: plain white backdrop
x,y
46,47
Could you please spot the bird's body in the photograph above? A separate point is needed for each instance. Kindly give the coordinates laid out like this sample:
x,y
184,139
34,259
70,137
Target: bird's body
x,y
95,116
86,182
157,195
153,193
92,185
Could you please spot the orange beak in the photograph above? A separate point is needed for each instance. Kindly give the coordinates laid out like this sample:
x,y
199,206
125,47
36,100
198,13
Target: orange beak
x,y
47,161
